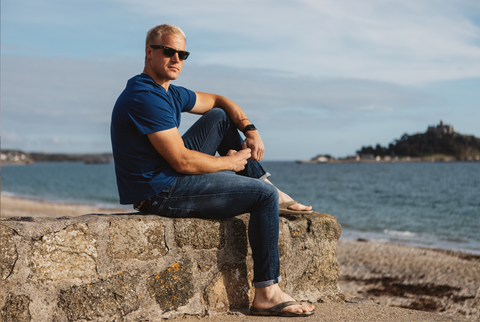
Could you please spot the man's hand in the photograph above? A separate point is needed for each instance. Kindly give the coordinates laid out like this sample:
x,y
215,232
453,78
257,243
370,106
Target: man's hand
x,y
239,159
254,142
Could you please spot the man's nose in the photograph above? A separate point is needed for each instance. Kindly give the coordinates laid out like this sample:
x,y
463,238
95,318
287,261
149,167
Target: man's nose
x,y
175,57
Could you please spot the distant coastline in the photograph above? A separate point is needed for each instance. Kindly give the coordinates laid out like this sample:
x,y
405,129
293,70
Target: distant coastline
x,y
359,159
438,144
10,157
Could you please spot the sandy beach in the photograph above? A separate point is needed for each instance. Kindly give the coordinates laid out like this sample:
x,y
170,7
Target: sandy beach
x,y
445,282
19,207
442,282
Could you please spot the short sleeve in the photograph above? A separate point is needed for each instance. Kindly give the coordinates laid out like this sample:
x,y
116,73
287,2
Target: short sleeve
x,y
185,97
152,113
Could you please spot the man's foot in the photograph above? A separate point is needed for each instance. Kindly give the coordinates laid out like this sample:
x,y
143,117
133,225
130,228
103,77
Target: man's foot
x,y
284,198
284,209
271,296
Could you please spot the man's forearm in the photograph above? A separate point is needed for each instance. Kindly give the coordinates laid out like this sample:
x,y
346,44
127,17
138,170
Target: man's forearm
x,y
239,118
206,101
234,112
170,145
194,162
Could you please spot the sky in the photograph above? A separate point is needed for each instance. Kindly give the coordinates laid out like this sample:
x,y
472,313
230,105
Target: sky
x,y
314,76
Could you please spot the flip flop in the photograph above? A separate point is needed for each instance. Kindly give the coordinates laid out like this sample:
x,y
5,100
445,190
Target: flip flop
x,y
285,211
277,310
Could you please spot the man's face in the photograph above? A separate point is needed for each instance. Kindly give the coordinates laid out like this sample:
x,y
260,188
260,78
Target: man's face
x,y
165,68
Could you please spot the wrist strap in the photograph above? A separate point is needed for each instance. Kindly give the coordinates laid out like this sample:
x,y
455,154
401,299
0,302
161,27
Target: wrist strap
x,y
249,127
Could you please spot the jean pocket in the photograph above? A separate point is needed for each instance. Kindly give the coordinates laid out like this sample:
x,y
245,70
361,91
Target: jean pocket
x,y
183,213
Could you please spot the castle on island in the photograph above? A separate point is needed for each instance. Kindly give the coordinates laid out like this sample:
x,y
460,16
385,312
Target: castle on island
x,y
441,128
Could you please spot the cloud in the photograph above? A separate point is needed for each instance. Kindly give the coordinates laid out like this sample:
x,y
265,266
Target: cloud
x,y
70,100
262,91
343,71
57,98
401,41
12,139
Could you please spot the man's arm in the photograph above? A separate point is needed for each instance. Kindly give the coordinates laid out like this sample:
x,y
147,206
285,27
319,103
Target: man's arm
x,y
207,101
170,145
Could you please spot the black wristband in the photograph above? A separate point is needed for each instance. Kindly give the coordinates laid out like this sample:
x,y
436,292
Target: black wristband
x,y
249,127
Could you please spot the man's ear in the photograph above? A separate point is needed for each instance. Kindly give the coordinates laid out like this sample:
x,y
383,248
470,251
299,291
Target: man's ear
x,y
148,52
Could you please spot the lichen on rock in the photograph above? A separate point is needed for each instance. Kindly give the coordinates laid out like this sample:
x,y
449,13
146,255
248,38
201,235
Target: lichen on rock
x,y
172,287
113,296
16,309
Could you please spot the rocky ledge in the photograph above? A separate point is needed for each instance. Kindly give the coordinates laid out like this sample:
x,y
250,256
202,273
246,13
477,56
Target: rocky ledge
x,y
130,267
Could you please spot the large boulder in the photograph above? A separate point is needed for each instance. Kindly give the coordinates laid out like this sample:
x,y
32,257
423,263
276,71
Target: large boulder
x,y
135,267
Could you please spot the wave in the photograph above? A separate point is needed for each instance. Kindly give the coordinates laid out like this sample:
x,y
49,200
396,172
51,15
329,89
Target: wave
x,y
400,233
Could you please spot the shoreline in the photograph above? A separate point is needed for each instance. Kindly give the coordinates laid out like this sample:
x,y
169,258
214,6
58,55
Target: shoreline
x,y
25,207
400,160
446,159
21,206
428,244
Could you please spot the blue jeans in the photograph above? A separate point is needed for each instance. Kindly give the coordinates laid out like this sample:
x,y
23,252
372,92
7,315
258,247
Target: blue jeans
x,y
224,195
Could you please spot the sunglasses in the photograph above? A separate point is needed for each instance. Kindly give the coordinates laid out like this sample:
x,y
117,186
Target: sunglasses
x,y
170,52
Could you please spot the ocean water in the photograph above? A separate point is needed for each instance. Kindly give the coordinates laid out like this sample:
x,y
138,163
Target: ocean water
x,y
62,182
421,204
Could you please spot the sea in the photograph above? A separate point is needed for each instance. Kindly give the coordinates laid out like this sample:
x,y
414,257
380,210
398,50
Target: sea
x,y
423,204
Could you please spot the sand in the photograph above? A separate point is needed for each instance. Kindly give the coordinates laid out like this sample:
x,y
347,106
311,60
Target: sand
x,y
385,282
19,207
440,281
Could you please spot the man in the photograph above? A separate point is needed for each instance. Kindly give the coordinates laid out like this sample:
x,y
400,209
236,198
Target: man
x,y
163,173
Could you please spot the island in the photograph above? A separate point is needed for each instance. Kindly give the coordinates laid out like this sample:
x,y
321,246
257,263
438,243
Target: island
x,y
438,143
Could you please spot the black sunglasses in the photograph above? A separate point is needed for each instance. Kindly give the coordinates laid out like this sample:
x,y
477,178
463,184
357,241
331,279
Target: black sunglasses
x,y
170,52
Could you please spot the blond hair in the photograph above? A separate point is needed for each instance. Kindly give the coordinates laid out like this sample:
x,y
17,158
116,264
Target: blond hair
x,y
157,32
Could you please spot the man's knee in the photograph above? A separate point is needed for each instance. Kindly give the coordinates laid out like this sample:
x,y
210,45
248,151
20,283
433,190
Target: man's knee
x,y
217,113
270,192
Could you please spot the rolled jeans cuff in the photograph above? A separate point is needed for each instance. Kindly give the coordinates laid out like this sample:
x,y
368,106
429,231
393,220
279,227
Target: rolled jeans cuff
x,y
265,176
267,283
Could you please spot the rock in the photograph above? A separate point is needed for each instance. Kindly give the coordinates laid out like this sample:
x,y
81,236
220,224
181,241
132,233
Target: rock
x,y
132,267
215,296
66,254
320,274
199,233
172,287
113,296
230,289
16,309
8,252
136,239
237,231
310,266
